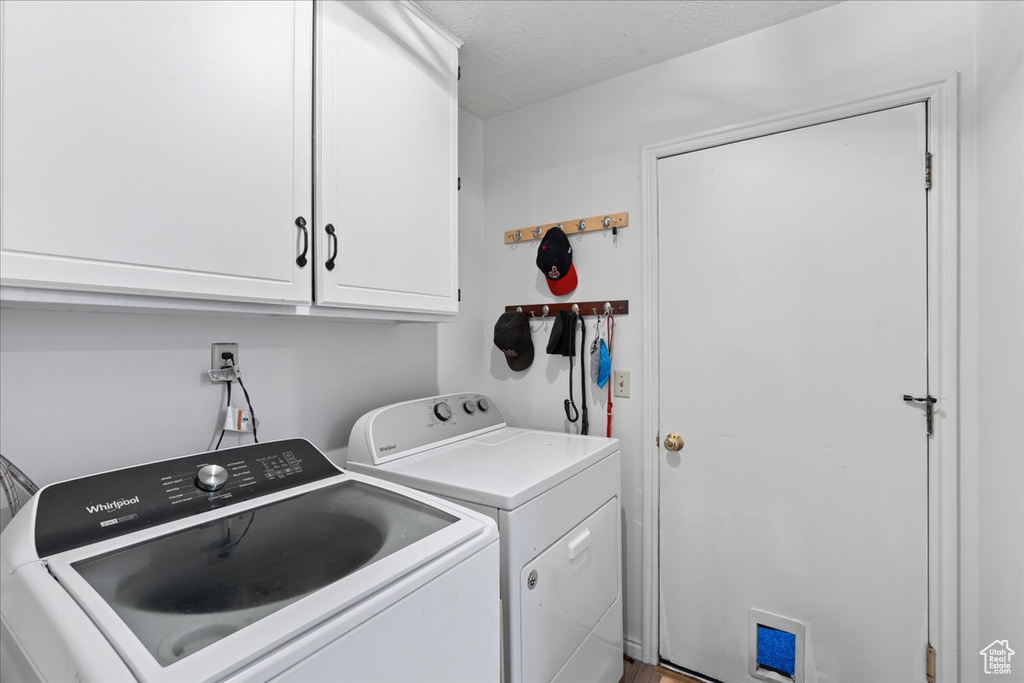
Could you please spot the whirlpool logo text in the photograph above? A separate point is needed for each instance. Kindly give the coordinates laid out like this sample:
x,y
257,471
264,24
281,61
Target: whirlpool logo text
x,y
112,505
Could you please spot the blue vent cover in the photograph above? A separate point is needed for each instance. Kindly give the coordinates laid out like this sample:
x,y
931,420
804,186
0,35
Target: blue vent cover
x,y
776,650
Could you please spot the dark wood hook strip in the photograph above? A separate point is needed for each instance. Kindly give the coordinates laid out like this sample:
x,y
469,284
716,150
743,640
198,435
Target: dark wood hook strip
x,y
591,308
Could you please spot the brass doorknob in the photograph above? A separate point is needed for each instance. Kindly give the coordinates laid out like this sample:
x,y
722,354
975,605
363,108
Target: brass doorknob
x,y
674,442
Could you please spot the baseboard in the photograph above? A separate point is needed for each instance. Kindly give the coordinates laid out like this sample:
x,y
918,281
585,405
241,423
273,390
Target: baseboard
x,y
633,648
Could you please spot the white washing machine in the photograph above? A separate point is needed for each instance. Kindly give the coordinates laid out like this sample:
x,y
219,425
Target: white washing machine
x,y
256,563
555,498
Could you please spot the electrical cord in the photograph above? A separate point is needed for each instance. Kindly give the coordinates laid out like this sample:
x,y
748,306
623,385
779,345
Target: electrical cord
x,y
229,360
252,413
227,405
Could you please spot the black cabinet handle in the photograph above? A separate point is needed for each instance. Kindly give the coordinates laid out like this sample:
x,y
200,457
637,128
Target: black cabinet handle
x,y
330,261
301,260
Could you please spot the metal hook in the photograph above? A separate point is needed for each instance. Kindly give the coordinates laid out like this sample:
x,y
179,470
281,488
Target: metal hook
x,y
519,309
559,226
606,222
607,308
517,236
545,310
581,226
537,232
576,309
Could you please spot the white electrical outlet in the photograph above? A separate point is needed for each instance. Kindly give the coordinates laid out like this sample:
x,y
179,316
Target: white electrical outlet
x,y
217,361
621,379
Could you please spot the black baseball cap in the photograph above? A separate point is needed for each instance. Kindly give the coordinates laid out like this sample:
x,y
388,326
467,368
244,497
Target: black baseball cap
x,y
512,336
554,258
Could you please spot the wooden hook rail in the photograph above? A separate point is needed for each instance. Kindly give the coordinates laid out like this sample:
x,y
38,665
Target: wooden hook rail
x,y
610,221
619,307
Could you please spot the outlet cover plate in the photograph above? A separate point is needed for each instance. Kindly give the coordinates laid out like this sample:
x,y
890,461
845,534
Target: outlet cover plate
x,y
621,388
216,361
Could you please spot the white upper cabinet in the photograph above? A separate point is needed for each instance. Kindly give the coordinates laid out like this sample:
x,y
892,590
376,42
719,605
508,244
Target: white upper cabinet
x,y
158,148
386,159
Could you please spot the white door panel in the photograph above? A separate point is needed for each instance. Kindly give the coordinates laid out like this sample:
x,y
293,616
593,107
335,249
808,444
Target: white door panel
x,y
157,147
578,582
792,321
387,113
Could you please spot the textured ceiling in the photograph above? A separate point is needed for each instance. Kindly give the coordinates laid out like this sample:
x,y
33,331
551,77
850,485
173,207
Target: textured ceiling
x,y
519,52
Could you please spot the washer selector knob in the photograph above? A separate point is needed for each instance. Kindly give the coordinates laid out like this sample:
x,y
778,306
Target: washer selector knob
x,y
211,478
443,411
469,407
484,404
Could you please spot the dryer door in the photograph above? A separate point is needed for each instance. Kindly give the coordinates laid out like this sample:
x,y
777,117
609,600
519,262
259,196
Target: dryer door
x,y
574,582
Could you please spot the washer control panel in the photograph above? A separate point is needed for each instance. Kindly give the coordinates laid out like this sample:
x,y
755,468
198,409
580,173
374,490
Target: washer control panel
x,y
402,429
74,513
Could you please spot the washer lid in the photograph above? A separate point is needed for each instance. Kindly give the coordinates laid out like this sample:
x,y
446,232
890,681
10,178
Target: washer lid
x,y
201,598
503,468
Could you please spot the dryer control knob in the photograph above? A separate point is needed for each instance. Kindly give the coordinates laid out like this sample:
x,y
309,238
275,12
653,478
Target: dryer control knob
x,y
443,411
211,478
484,404
469,407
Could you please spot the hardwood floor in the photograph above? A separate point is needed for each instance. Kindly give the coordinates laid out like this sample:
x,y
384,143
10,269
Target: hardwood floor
x,y
639,672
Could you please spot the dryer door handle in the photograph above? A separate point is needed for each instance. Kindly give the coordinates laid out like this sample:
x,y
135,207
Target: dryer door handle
x,y
579,544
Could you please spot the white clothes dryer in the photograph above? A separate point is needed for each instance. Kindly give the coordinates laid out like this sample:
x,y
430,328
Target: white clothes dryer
x,y
556,499
248,564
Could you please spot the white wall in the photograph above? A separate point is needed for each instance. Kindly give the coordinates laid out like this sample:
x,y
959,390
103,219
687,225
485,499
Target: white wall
x,y
460,344
1000,481
579,155
82,392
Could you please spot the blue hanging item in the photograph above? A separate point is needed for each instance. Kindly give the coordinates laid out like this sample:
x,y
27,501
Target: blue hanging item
x,y
600,358
604,370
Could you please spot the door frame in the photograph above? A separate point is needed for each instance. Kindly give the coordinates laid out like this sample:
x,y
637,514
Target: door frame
x,y
943,202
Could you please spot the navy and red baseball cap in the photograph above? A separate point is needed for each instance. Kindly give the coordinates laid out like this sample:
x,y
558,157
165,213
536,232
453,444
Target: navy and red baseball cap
x,y
554,258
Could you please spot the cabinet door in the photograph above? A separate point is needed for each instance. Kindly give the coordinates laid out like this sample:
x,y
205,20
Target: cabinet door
x,y
387,115
157,147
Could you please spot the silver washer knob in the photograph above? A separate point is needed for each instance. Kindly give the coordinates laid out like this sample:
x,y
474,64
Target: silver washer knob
x,y
443,411
469,407
211,478
484,404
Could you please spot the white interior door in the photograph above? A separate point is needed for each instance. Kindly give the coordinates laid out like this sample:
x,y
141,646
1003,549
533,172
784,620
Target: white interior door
x,y
793,299
157,147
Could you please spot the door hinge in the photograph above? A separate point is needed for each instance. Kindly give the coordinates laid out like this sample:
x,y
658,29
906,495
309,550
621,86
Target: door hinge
x,y
928,170
929,409
657,440
458,183
929,663
459,76
460,293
